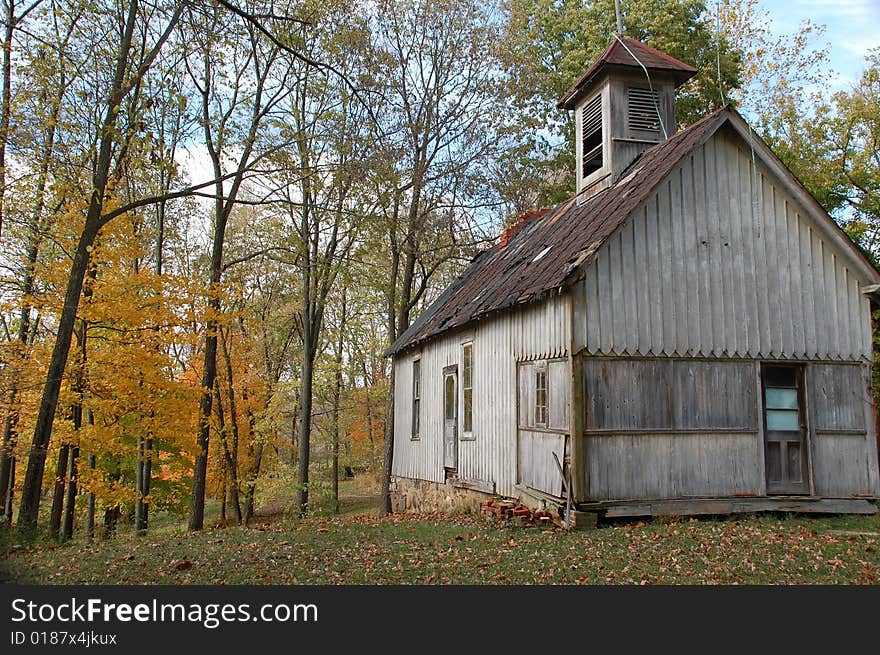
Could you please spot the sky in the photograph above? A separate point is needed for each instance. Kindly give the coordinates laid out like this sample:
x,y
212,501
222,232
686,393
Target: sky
x,y
852,28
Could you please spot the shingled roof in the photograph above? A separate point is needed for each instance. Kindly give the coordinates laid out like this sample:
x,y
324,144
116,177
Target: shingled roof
x,y
618,55
541,256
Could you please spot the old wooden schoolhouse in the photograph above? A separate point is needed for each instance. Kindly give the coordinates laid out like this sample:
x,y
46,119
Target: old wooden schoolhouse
x,y
690,333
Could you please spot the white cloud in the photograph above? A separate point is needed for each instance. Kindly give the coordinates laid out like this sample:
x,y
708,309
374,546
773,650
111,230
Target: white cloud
x,y
857,9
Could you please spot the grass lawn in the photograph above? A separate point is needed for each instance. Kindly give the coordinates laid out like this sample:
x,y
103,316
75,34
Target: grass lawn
x,y
435,549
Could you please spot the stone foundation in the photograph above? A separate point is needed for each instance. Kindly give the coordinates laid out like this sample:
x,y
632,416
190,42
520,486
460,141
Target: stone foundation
x,y
423,496
410,495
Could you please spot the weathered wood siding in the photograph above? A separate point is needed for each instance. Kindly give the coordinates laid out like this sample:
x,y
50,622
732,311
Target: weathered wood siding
x,y
671,428
537,468
668,428
721,262
844,443
538,331
558,392
669,394
626,143
536,444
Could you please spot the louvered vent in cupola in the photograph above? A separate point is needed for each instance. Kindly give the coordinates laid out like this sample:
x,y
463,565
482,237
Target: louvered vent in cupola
x,y
643,114
624,104
591,126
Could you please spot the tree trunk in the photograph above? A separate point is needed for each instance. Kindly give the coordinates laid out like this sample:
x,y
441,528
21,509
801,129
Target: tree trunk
x,y
111,517
223,204
10,491
391,326
337,394
388,450
231,453
369,406
112,513
396,328
223,492
294,434
200,470
7,453
7,450
77,415
335,465
146,470
253,474
5,107
33,480
230,468
305,422
139,483
58,491
147,476
90,508
70,505
256,452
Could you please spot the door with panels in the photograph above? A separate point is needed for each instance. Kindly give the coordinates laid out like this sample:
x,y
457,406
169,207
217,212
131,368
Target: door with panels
x,y
785,430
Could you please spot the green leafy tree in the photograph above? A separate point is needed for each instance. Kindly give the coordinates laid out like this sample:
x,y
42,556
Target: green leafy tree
x,y
548,44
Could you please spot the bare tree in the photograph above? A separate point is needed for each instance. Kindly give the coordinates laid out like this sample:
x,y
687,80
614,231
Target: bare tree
x,y
318,184
240,86
439,128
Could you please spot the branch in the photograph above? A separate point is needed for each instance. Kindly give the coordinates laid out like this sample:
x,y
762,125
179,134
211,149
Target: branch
x,y
151,200
28,10
254,255
5,327
253,19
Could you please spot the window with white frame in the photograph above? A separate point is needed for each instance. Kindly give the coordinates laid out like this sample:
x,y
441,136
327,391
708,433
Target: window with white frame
x,y
541,395
467,386
416,396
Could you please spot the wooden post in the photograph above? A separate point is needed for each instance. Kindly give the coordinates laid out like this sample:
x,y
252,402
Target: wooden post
x,y
576,416
619,17
871,424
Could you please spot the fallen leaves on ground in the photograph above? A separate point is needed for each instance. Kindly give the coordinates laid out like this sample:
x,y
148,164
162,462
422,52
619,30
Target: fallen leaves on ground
x,y
441,549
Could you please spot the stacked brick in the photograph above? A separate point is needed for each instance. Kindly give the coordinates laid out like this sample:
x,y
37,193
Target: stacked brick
x,y
508,510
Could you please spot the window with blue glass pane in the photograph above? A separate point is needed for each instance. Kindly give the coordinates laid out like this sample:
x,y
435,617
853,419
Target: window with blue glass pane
x,y
780,419
782,408
776,398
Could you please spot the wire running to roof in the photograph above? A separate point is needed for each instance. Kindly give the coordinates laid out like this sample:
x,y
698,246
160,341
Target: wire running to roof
x,y
650,85
718,50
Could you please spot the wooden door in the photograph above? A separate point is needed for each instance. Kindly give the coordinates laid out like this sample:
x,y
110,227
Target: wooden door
x,y
450,418
785,430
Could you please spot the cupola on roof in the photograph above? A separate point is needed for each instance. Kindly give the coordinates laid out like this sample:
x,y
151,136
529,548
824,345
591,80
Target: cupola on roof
x,y
616,56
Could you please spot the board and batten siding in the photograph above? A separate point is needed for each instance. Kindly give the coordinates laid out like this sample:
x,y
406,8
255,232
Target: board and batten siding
x,y
536,444
722,261
844,446
674,428
670,428
489,455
